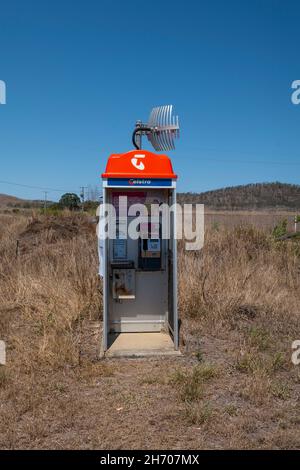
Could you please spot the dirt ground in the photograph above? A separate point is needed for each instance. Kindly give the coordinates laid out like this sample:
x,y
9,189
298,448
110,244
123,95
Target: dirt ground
x,y
140,404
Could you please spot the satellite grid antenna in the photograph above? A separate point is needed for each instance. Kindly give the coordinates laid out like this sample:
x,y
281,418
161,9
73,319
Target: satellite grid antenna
x,y
162,129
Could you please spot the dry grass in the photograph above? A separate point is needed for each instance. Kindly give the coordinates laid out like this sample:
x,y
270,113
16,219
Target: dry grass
x,y
264,220
234,388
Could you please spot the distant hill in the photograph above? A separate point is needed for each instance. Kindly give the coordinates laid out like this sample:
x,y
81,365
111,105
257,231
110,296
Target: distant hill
x,y
6,200
248,197
15,202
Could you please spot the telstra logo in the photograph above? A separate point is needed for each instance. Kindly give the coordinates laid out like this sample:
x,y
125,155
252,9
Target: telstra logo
x,y
137,182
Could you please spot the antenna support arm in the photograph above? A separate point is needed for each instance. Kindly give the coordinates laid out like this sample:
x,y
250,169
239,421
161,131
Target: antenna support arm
x,y
139,128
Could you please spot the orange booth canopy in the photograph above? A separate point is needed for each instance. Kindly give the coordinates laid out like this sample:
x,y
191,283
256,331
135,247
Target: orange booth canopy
x,y
139,164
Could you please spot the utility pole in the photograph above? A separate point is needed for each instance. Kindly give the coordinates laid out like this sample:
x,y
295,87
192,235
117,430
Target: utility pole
x,y
296,222
45,201
82,197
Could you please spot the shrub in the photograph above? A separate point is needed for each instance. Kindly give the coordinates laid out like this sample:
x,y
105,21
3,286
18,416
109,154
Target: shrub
x,y
280,229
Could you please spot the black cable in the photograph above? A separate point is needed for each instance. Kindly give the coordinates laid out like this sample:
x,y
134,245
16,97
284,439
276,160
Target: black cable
x,y
136,130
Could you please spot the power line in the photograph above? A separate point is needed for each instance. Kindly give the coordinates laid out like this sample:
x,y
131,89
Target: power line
x,y
255,162
200,151
42,188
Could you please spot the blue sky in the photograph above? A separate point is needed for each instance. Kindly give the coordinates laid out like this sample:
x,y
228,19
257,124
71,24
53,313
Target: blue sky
x,y
79,74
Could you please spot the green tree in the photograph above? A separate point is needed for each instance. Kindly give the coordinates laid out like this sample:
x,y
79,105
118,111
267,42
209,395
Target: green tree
x,y
70,201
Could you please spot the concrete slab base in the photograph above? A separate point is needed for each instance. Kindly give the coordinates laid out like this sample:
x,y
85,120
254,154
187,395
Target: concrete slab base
x,y
140,345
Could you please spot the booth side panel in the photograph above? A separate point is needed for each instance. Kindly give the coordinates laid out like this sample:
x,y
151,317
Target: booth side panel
x,y
105,285
174,234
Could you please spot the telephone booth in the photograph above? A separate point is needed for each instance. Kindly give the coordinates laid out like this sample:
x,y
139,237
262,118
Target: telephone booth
x,y
139,273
